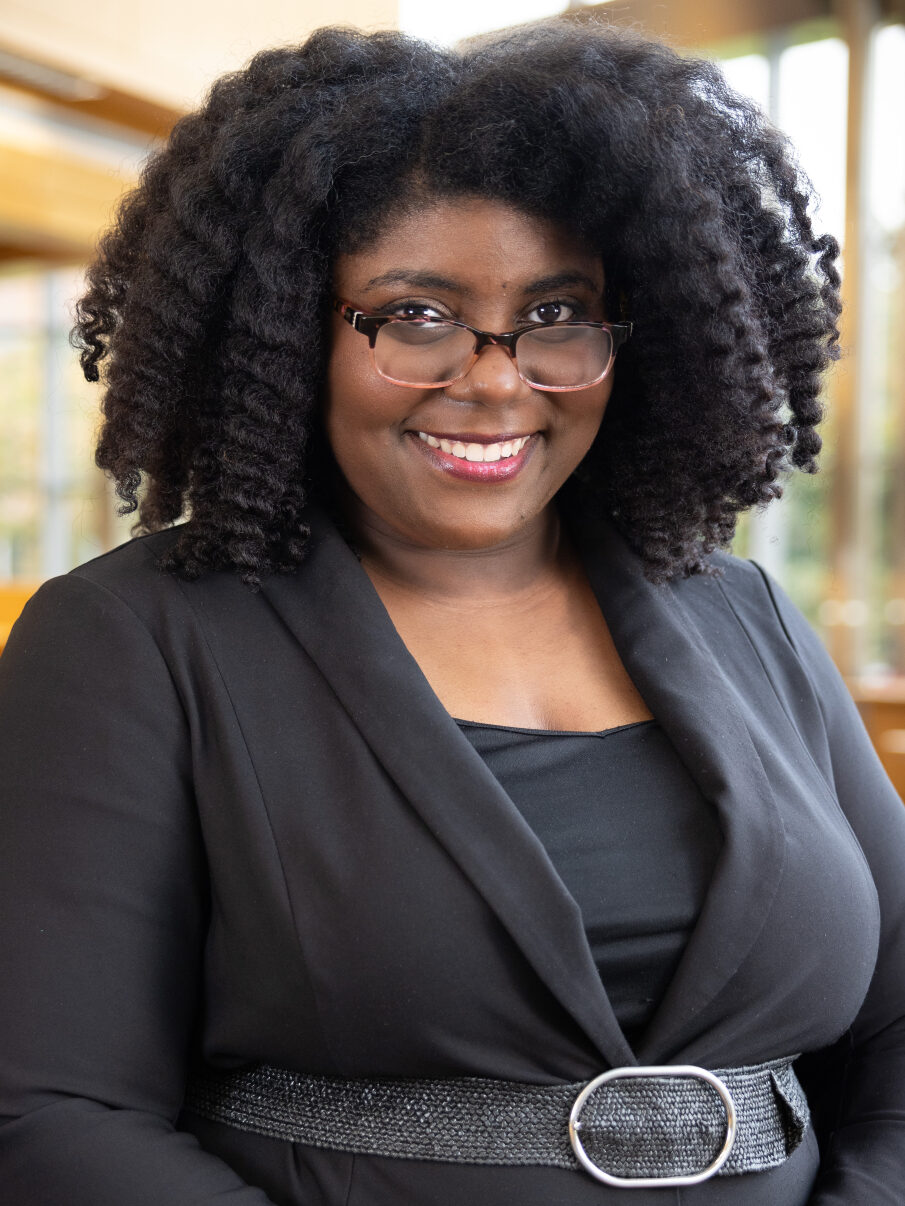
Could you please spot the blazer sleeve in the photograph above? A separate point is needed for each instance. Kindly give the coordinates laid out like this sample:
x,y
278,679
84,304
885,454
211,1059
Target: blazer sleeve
x,y
102,914
859,1085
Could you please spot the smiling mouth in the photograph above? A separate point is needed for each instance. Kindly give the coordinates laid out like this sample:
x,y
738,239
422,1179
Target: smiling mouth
x,y
483,461
475,452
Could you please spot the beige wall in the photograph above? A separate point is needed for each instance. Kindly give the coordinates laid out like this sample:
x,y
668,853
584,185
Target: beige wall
x,y
168,51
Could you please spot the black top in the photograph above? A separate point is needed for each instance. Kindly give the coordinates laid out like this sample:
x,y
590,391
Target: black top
x,y
630,835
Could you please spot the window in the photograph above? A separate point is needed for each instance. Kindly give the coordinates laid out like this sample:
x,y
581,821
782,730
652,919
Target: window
x,y
842,555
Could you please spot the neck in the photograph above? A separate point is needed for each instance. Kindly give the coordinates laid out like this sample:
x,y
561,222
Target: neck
x,y
522,563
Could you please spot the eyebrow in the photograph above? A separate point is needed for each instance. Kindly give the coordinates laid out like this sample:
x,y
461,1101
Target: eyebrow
x,y
430,280
563,280
420,280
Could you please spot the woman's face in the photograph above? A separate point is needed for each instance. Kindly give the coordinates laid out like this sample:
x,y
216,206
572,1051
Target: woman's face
x,y
495,268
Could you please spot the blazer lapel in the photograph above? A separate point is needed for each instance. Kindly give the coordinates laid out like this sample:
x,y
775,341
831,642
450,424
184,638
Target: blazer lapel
x,y
338,618
670,659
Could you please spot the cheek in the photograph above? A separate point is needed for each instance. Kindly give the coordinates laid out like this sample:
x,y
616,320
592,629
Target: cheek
x,y
349,409
343,383
364,418
582,420
357,396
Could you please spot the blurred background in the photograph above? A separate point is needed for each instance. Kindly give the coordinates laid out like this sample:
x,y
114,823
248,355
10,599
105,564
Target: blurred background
x,y
83,101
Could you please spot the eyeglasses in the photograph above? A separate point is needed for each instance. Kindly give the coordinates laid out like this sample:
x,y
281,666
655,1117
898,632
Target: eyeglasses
x,y
428,353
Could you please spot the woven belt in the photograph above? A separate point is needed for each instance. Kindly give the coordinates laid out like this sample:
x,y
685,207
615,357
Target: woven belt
x,y
633,1127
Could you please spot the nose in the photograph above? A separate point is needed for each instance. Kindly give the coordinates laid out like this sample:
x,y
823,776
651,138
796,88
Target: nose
x,y
492,378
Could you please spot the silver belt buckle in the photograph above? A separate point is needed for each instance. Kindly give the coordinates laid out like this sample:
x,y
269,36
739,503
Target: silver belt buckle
x,y
680,1070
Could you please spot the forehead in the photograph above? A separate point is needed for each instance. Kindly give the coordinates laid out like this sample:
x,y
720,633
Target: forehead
x,y
474,244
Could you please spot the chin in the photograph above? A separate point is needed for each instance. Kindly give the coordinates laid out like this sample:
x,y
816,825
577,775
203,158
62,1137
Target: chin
x,y
469,538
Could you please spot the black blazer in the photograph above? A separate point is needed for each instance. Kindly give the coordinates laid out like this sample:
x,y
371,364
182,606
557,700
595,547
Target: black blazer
x,y
242,826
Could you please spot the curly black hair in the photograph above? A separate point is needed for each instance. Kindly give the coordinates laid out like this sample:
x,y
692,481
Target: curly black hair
x,y
208,295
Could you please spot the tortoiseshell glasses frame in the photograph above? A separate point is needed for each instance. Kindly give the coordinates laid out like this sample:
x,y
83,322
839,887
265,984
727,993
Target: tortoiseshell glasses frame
x,y
371,325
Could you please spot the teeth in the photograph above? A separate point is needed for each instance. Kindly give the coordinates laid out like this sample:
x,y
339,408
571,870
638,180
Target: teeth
x,y
477,452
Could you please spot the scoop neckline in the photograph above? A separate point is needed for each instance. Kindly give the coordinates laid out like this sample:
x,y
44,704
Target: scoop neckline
x,y
509,728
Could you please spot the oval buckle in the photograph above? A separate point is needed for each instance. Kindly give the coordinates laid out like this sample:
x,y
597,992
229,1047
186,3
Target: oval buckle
x,y
688,1071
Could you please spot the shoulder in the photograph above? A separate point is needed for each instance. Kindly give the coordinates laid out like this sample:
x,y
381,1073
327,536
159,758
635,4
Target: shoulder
x,y
129,570
737,576
763,607
124,595
122,586
130,577
745,594
788,649
188,621
92,630
119,617
746,617
752,595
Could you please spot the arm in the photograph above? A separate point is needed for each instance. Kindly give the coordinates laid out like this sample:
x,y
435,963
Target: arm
x,y
102,914
858,1087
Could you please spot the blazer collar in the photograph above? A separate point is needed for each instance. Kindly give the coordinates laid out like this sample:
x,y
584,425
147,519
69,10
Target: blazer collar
x,y
338,618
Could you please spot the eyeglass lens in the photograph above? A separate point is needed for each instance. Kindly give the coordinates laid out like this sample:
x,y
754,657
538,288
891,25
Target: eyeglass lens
x,y
436,353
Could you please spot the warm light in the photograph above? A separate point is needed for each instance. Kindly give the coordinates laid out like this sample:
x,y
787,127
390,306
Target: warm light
x,y
445,24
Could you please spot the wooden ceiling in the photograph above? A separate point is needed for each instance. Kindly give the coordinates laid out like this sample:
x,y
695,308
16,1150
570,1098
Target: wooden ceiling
x,y
53,202
52,205
692,23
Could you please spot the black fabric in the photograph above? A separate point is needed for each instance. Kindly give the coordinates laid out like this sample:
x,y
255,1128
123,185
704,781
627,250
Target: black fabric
x,y
241,827
630,835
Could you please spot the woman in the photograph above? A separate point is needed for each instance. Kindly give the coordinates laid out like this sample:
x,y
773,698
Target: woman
x,y
449,765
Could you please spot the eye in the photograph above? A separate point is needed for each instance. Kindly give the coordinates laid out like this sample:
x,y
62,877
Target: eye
x,y
552,311
411,309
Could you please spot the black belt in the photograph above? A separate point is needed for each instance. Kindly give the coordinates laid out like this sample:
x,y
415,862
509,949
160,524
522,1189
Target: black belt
x,y
629,1127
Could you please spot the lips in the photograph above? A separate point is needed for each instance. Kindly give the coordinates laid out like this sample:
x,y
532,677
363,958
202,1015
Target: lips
x,y
487,459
